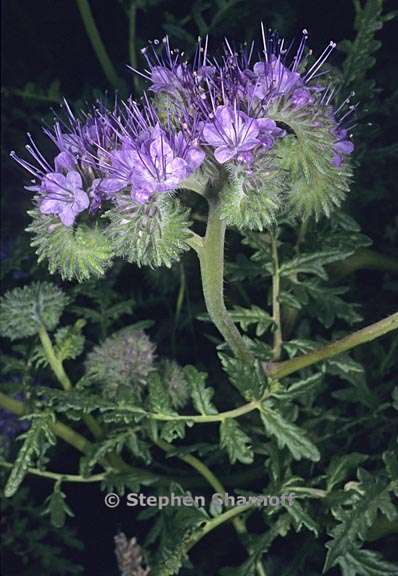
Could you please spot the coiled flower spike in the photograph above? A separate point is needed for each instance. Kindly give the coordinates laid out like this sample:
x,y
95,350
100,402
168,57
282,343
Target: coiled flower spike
x,y
259,123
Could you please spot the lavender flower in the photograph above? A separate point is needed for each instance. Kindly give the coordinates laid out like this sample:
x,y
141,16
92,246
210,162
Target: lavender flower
x,y
232,134
160,163
63,195
342,147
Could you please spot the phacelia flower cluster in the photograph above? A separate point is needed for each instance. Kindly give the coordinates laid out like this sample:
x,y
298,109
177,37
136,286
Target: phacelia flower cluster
x,y
224,111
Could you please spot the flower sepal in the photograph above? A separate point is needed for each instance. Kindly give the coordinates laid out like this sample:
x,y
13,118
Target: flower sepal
x,y
152,234
77,252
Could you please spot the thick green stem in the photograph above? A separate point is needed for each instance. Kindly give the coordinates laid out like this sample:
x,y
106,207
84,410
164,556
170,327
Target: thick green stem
x,y
99,47
211,257
276,307
282,369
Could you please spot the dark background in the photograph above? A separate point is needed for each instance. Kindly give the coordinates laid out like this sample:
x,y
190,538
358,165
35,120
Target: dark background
x,y
47,56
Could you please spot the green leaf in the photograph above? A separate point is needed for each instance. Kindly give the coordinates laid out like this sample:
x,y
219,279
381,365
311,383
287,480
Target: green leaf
x,y
159,399
312,263
69,341
173,430
341,466
201,395
300,387
302,518
288,434
249,379
361,562
24,310
57,507
371,495
177,531
34,439
253,315
236,442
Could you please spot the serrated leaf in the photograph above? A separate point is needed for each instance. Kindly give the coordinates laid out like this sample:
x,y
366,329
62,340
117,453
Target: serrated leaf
x,y
302,518
312,263
341,466
69,341
300,387
38,434
249,379
253,315
159,399
57,508
371,496
361,562
288,434
201,395
236,442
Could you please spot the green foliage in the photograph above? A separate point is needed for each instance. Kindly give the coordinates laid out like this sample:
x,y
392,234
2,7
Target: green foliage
x,y
361,562
33,543
253,315
360,52
57,508
69,341
250,380
288,434
236,442
175,534
34,440
75,252
24,310
201,394
152,234
368,497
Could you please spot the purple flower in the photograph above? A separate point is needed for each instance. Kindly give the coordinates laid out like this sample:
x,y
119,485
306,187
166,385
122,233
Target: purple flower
x,y
231,133
342,147
273,78
159,164
301,97
164,79
63,195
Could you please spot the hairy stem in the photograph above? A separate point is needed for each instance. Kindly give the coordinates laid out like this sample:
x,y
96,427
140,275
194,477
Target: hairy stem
x,y
282,369
276,307
58,369
98,45
211,257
